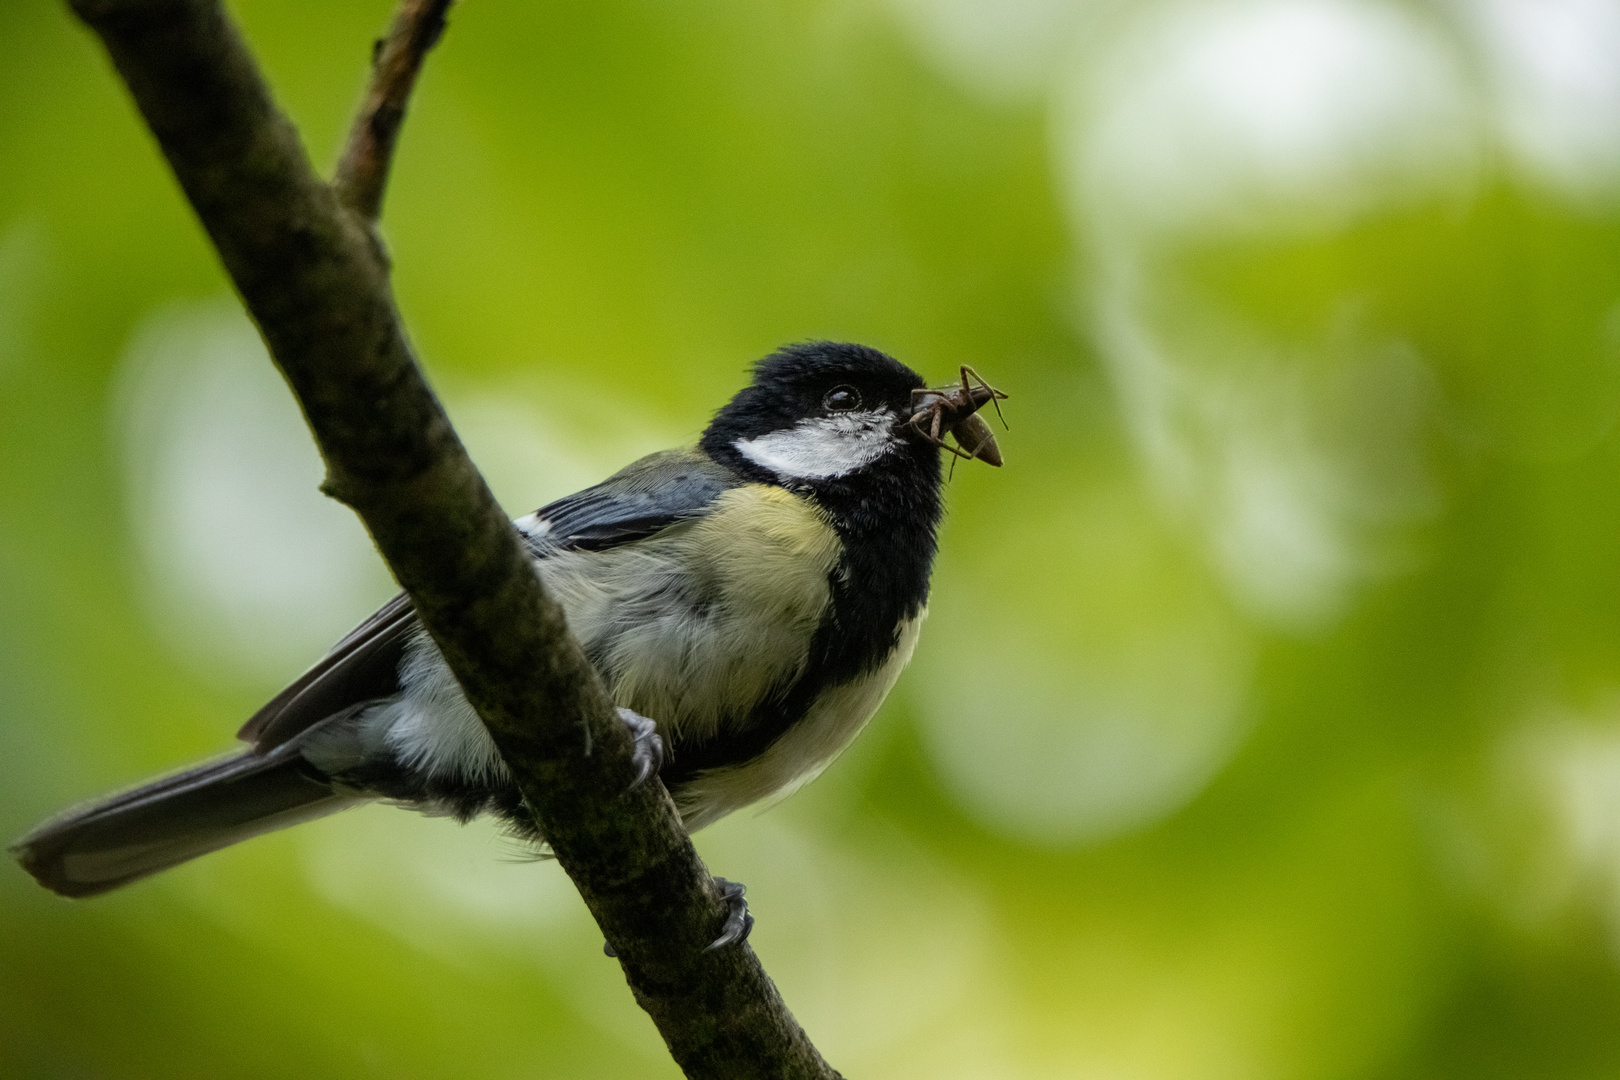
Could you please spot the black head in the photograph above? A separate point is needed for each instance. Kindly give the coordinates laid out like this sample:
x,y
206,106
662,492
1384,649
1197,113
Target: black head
x,y
821,412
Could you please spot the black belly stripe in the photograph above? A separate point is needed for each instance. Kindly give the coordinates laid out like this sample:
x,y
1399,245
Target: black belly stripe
x,y
769,722
886,526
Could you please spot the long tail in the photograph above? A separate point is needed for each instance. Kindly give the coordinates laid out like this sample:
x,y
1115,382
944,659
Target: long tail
x,y
92,849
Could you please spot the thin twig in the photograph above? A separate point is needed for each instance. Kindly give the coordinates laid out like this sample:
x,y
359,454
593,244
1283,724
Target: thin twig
x,y
316,283
362,173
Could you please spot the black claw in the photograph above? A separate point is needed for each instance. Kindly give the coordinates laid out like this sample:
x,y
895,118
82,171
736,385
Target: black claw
x,y
648,753
738,922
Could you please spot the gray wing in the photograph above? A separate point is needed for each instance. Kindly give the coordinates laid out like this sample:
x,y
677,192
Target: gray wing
x,y
638,500
651,494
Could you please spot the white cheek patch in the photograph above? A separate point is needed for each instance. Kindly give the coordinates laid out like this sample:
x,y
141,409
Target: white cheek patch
x,y
824,446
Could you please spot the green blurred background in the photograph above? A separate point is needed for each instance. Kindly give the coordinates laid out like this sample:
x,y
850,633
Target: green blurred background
x,y
1267,723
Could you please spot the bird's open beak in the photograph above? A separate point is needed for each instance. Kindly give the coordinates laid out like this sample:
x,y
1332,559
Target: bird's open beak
x,y
953,411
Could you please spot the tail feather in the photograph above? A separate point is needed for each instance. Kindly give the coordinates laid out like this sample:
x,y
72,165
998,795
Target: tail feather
x,y
92,849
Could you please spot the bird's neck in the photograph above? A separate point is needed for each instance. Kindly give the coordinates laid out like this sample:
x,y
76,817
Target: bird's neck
x,y
888,520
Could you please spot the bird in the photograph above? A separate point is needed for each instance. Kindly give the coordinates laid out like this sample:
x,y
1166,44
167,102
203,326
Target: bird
x,y
748,601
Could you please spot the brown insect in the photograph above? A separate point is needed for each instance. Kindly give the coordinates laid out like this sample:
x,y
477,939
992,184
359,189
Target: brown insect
x,y
953,411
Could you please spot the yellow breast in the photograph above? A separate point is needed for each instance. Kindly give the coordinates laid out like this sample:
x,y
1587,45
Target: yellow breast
x,y
769,551
701,622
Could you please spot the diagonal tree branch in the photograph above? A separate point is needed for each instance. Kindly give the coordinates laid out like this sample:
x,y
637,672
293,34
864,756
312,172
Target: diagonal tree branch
x,y
317,285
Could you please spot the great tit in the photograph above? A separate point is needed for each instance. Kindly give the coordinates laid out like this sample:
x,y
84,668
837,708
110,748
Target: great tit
x,y
755,596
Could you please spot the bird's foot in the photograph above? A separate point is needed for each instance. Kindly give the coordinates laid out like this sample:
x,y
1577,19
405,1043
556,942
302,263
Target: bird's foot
x,y
738,922
648,754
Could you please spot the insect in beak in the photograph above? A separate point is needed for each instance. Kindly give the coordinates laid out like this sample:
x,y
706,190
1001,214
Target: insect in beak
x,y
953,410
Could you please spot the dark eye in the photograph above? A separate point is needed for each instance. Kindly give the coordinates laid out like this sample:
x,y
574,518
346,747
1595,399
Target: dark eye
x,y
841,399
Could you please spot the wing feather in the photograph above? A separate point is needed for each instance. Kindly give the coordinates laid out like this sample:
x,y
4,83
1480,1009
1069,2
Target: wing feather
x,y
649,495
361,667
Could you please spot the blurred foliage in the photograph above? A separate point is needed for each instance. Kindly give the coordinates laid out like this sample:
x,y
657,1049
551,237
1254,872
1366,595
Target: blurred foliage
x,y
1268,720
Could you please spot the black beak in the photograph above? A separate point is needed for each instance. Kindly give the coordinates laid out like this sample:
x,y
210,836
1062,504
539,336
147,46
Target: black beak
x,y
953,411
